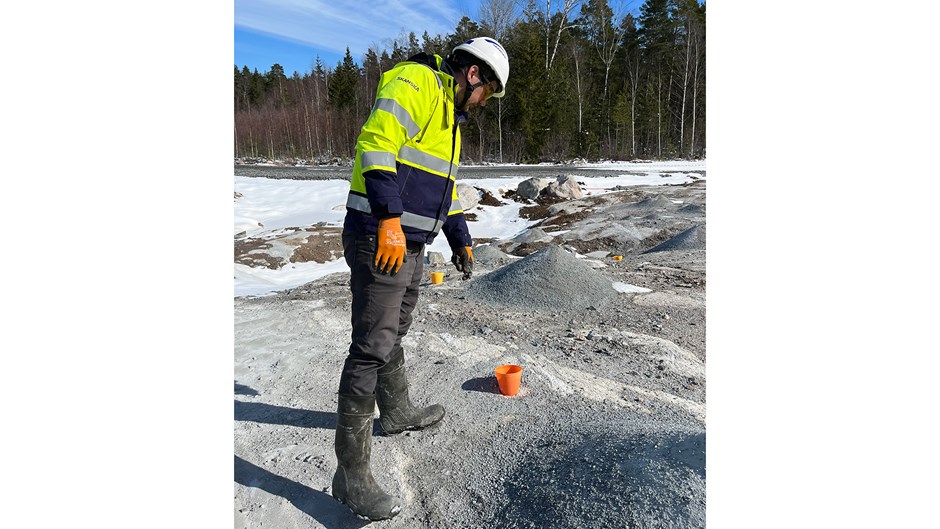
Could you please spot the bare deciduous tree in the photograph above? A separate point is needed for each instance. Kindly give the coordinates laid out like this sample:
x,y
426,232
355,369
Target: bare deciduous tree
x,y
544,18
601,23
497,16
632,70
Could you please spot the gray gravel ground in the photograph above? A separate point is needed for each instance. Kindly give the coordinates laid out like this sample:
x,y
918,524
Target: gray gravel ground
x,y
608,429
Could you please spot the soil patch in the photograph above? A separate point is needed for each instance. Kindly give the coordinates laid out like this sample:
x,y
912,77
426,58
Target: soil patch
x,y
487,198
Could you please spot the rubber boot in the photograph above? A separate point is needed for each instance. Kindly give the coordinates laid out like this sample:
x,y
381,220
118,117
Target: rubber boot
x,y
353,483
397,413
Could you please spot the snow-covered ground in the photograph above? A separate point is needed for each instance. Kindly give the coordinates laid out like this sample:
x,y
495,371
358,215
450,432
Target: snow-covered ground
x,y
266,205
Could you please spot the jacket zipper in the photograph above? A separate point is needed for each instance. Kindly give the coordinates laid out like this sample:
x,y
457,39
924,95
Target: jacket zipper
x,y
453,146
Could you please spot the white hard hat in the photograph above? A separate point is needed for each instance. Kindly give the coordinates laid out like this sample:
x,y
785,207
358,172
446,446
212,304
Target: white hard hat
x,y
493,54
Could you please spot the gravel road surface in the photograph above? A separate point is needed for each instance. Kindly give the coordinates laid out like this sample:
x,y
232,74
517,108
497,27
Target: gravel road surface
x,y
608,428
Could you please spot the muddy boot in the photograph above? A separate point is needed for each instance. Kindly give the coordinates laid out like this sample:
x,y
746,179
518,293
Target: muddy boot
x,y
397,412
353,483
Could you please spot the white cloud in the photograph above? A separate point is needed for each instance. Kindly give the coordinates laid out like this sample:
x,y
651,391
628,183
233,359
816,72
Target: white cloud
x,y
334,26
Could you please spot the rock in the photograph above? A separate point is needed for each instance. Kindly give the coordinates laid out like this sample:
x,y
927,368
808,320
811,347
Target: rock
x,y
531,188
436,259
469,196
565,187
532,235
487,253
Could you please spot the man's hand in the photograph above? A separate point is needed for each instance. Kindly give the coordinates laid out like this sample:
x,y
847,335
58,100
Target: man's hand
x,y
391,251
463,260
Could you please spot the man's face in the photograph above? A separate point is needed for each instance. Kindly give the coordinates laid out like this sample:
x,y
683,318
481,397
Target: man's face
x,y
480,96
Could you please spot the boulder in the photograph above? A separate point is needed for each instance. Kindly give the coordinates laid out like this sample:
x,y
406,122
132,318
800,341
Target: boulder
x,y
531,188
469,196
566,186
487,253
436,259
532,235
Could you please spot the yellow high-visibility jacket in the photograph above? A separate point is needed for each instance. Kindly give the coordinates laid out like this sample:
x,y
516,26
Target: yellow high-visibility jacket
x,y
407,156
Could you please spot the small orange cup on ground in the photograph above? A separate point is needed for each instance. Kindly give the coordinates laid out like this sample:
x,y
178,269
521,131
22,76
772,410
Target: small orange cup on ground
x,y
508,377
437,278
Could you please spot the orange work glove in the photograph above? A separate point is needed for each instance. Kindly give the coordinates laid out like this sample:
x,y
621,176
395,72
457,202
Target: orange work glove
x,y
391,251
463,261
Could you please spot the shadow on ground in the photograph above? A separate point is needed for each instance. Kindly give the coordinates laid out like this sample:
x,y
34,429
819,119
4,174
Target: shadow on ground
x,y
317,504
482,384
270,414
241,389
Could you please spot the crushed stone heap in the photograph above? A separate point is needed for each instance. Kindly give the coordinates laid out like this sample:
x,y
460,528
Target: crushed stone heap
x,y
690,239
549,279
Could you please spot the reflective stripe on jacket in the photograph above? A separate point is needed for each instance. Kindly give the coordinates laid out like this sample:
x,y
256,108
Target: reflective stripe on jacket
x,y
407,156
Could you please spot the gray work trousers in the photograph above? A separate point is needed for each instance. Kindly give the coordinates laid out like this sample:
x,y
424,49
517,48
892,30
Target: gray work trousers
x,y
381,310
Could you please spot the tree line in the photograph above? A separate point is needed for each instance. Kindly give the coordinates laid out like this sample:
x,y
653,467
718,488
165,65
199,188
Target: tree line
x,y
586,81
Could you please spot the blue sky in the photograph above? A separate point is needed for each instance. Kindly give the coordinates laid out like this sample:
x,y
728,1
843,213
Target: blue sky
x,y
293,32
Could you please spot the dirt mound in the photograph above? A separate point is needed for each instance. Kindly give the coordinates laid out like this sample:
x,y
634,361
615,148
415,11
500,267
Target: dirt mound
x,y
690,239
549,279
657,203
692,209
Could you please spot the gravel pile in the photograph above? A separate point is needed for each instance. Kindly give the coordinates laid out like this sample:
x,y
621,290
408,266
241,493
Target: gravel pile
x,y
690,239
651,204
549,279
692,209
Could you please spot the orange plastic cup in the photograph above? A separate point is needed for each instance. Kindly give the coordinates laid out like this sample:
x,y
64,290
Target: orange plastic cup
x,y
508,377
437,278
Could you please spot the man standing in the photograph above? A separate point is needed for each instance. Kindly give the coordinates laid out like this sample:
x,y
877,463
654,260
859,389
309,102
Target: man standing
x,y
402,193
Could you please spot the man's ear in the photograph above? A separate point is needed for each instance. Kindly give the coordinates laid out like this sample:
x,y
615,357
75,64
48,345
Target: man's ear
x,y
474,70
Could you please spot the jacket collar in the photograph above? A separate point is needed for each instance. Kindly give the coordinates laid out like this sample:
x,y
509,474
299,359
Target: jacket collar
x,y
441,69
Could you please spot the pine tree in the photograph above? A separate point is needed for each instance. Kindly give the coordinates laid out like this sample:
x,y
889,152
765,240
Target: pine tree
x,y
466,30
658,38
343,83
274,82
604,33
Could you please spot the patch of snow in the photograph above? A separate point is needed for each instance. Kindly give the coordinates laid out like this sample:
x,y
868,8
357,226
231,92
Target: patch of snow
x,y
628,288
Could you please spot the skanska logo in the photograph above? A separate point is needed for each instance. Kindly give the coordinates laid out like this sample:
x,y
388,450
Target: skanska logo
x,y
408,81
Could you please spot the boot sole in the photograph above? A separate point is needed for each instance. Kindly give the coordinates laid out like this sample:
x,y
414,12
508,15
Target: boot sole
x,y
394,513
411,428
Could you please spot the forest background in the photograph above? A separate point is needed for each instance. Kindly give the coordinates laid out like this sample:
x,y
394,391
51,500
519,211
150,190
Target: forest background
x,y
587,81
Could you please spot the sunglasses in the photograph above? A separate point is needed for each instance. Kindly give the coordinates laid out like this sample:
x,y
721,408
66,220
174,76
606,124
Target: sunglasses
x,y
488,86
